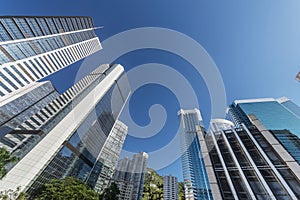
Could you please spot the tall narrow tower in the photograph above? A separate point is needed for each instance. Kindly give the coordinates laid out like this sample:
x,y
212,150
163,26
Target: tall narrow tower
x,y
194,174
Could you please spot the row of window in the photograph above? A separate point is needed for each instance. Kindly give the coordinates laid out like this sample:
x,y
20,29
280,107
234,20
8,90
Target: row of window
x,y
20,28
26,49
83,140
246,153
17,76
41,118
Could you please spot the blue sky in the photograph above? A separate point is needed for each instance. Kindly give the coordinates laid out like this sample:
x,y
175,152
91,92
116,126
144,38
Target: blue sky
x,y
255,45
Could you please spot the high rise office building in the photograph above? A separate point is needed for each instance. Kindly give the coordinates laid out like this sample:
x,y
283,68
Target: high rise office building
x,y
18,108
130,175
194,173
170,188
30,49
249,163
70,132
34,47
103,170
280,116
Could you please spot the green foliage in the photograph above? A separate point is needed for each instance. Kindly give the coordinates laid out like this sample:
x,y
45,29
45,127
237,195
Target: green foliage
x,y
110,193
13,195
153,186
5,158
68,188
181,195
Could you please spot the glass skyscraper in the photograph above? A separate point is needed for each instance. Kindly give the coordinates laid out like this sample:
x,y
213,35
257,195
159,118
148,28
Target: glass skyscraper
x,y
34,47
54,135
71,132
104,169
281,116
249,163
194,173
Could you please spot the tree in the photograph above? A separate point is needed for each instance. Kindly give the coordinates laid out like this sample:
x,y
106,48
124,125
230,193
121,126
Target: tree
x,y
110,193
153,185
181,194
13,194
5,158
68,188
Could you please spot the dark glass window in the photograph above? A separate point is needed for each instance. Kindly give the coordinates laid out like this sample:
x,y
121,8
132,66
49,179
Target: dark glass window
x,y
4,35
12,28
24,26
34,26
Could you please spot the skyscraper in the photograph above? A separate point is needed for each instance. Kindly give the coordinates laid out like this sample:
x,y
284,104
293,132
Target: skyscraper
x,y
16,109
170,188
194,173
130,175
34,47
249,163
103,170
280,116
72,131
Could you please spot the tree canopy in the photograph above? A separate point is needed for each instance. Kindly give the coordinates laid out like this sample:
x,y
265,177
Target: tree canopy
x,y
153,185
68,188
110,193
5,158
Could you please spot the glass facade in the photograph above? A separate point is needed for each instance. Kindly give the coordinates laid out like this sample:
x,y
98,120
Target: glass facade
x,y
47,44
194,172
292,107
274,115
79,154
246,164
15,110
103,170
290,142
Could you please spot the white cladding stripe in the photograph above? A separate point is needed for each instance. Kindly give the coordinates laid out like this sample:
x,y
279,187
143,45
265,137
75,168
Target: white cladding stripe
x,y
39,62
281,179
63,99
66,56
51,62
268,190
253,100
9,68
39,68
238,166
11,79
224,167
43,37
39,156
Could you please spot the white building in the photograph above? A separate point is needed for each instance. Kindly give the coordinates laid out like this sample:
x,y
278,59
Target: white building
x,y
170,188
130,175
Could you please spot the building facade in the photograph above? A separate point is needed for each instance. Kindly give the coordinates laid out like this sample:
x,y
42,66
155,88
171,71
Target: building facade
x,y
73,131
130,176
194,173
170,188
280,116
104,169
16,109
34,47
249,163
